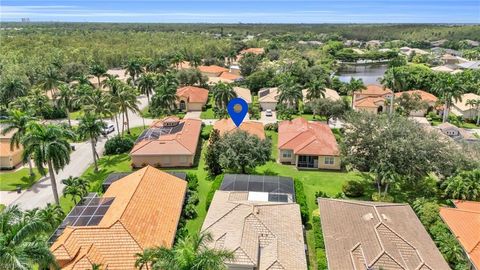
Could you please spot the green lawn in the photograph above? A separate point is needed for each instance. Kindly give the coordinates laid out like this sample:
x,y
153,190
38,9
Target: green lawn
x,y
208,113
10,180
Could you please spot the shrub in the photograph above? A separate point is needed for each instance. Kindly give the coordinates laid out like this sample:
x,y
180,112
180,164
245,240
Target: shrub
x,y
301,200
271,127
206,130
192,180
215,185
353,188
189,211
118,145
319,243
193,198
321,194
53,112
381,198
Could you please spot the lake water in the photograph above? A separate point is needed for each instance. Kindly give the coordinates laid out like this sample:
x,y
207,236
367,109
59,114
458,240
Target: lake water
x,y
369,73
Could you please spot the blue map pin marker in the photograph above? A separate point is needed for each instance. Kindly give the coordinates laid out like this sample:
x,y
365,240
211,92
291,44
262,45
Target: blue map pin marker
x,y
237,109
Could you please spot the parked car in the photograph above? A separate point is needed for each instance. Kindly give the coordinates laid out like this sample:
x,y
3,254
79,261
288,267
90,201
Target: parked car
x,y
268,112
108,129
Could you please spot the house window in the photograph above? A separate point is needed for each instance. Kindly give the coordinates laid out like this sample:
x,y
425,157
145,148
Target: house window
x,y
329,160
287,154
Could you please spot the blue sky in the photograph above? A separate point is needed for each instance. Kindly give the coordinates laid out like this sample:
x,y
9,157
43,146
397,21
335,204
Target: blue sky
x,y
246,11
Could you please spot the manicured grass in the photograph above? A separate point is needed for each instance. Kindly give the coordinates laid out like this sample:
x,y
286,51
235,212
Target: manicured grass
x,y
79,114
461,125
209,113
10,180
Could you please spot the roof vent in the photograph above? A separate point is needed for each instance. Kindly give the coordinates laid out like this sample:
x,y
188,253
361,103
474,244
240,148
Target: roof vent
x,y
367,217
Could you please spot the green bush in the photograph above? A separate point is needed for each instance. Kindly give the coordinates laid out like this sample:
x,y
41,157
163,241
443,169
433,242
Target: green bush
x,y
118,145
271,127
301,200
381,198
319,243
353,188
215,185
206,130
53,112
192,180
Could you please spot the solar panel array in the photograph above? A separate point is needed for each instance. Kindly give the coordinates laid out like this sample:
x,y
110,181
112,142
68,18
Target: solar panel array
x,y
278,187
89,212
155,133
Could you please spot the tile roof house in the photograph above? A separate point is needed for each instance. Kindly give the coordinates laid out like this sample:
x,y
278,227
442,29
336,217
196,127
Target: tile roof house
x,y
464,222
169,142
460,107
213,70
191,98
372,99
225,77
243,93
9,158
456,133
263,235
268,98
144,213
329,93
251,127
307,145
429,99
370,235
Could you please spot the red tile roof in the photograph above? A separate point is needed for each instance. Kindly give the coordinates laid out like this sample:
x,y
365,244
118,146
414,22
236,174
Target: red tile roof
x,y
307,138
374,89
253,50
212,69
368,102
464,222
229,76
425,96
193,94
253,128
145,212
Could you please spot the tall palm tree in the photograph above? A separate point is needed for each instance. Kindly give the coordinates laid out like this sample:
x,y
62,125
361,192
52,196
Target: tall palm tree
x,y
17,122
145,259
159,65
84,80
52,214
449,89
90,128
21,241
66,99
290,93
146,83
163,101
112,83
134,69
48,144
84,96
76,187
177,59
222,94
12,88
50,80
475,103
353,86
189,253
127,100
316,89
98,71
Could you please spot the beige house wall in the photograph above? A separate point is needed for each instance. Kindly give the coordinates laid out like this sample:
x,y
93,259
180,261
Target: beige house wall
x,y
268,105
190,106
367,109
321,160
10,161
468,114
282,159
162,161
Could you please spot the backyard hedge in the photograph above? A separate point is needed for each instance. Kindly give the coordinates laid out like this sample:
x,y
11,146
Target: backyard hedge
x,y
215,186
301,200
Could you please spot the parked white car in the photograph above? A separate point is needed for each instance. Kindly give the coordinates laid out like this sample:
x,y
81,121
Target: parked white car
x,y
268,112
108,129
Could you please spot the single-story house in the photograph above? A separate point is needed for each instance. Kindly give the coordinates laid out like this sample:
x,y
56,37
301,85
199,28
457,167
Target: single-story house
x,y
191,98
169,142
9,158
262,234
213,70
139,211
456,133
251,127
268,98
376,235
372,99
329,93
460,107
430,99
444,68
243,93
225,77
307,145
464,223
449,59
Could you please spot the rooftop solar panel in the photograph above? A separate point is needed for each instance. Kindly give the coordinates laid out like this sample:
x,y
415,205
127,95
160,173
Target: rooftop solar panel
x,y
275,185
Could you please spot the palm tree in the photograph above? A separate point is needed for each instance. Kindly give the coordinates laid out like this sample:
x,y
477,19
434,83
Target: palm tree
x,y
290,93
98,71
12,88
91,128
112,83
52,214
222,94
66,99
75,187
189,253
84,96
177,59
127,100
134,69
146,83
21,244
50,81
353,86
17,122
163,101
464,186
48,144
475,103
84,80
160,65
316,89
145,259
449,89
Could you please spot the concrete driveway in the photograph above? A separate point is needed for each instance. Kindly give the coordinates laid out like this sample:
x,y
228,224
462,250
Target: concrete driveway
x,y
268,119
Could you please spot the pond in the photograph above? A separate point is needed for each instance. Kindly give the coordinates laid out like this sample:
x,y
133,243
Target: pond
x,y
369,73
